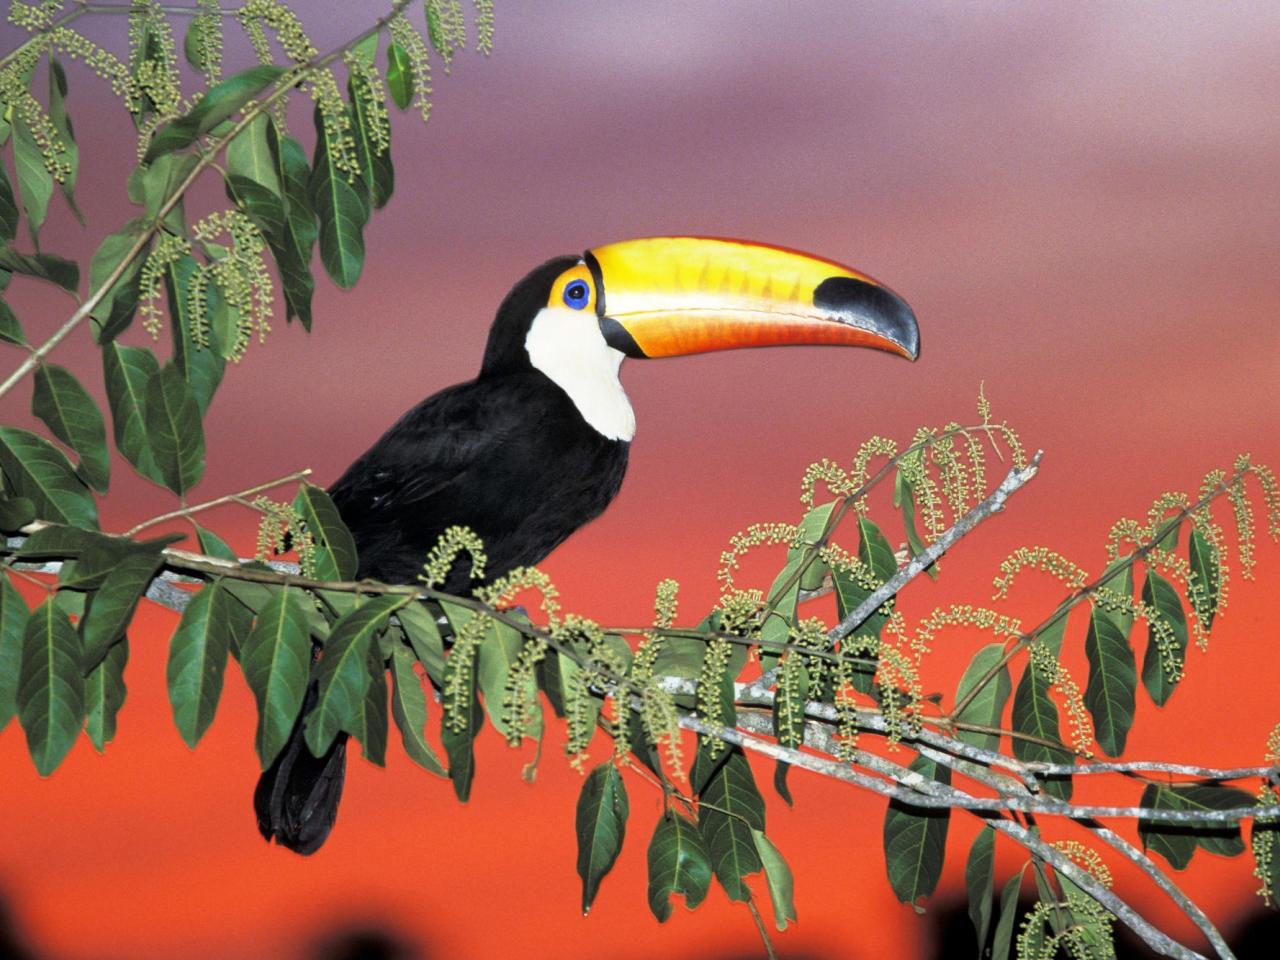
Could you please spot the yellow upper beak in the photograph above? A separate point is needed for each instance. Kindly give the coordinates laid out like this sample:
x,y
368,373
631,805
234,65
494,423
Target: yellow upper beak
x,y
667,296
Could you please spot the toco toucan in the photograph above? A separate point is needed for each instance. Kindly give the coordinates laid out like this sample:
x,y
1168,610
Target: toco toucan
x,y
536,445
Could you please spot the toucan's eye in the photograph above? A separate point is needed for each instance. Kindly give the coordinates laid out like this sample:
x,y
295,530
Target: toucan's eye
x,y
576,294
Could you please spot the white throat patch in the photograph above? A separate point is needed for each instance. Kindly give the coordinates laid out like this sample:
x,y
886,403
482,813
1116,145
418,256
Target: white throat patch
x,y
568,347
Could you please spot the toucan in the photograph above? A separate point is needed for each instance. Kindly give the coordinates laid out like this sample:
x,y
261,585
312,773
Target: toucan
x,y
537,444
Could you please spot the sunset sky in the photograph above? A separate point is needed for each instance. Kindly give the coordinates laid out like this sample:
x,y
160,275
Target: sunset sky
x,y
1081,203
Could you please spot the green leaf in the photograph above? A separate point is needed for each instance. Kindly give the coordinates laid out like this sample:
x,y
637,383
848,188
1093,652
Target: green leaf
x,y
62,123
172,416
112,606
409,707
1008,916
151,187
498,654
342,216
369,726
13,623
1176,841
904,497
72,416
275,659
193,43
1035,714
458,743
56,542
298,236
43,266
220,102
1204,568
335,555
342,676
678,863
601,824
8,207
15,513
127,371
35,469
10,328
249,156
198,658
50,686
875,553
915,840
104,693
424,636
784,594
399,76
987,706
777,876
375,168
35,183
214,545
1159,593
1113,681
201,366
732,807
979,880
1264,839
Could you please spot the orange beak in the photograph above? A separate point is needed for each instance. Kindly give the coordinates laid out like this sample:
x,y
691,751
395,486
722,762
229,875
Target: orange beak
x,y
668,296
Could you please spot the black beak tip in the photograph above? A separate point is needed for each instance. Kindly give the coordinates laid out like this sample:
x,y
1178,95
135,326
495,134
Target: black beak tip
x,y
871,307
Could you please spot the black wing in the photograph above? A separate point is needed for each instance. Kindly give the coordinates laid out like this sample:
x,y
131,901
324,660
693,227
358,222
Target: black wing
x,y
507,456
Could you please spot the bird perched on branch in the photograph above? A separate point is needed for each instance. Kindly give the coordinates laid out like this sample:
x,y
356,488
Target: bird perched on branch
x,y
536,445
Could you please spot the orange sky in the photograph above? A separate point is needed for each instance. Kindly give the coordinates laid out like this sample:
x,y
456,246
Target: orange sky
x,y
1080,203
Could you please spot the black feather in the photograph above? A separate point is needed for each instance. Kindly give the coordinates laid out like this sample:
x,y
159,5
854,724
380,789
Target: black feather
x,y
508,455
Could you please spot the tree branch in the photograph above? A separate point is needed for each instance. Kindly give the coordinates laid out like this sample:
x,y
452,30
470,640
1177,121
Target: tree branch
x,y
994,503
287,83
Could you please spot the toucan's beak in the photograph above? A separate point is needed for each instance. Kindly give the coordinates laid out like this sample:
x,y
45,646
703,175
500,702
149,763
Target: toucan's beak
x,y
667,296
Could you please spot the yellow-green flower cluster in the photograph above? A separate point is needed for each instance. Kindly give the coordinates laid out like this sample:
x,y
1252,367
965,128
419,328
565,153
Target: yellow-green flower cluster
x,y
367,85
459,675
451,543
1045,663
1086,857
1242,509
503,590
241,276
33,16
1042,559
756,535
484,26
711,678
447,28
168,248
282,524
102,62
283,22
962,615
831,474
407,36
872,447
28,111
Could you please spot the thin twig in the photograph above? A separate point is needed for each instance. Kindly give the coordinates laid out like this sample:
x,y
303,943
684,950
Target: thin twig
x,y
218,502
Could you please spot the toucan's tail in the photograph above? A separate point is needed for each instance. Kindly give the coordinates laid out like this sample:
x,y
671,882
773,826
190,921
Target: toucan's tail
x,y
297,796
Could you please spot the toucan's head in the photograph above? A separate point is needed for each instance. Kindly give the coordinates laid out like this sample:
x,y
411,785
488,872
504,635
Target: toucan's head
x,y
576,318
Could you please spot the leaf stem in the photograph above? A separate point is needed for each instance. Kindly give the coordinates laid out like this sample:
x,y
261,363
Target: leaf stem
x,y
764,933
217,502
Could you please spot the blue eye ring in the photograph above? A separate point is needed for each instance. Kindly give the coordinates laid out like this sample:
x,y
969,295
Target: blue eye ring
x,y
576,294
